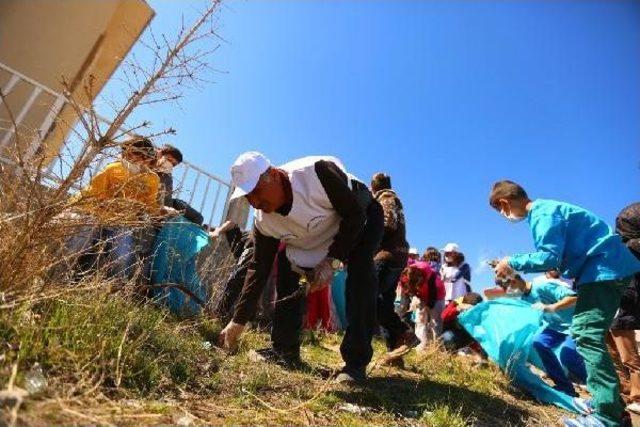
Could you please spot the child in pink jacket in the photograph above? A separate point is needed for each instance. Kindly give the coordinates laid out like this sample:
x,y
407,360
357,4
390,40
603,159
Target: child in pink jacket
x,y
423,284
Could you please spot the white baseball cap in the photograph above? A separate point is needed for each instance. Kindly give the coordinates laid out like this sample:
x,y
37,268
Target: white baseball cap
x,y
413,251
452,247
246,172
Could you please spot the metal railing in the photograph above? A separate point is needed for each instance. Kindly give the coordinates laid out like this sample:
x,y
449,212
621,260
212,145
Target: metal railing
x,y
41,105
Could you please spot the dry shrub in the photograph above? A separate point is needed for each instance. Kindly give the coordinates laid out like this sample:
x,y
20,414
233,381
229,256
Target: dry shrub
x,y
34,196
92,333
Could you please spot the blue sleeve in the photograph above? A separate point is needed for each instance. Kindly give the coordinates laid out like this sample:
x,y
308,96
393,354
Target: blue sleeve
x,y
558,292
466,272
549,233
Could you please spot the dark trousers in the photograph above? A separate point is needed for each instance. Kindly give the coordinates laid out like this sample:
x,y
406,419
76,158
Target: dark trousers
x,y
387,317
361,293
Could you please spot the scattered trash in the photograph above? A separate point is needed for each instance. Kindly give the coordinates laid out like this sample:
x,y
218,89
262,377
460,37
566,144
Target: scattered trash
x,y
466,351
480,363
185,420
132,403
255,357
354,409
35,380
206,345
411,414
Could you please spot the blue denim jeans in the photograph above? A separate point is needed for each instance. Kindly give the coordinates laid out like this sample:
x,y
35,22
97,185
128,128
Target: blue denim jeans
x,y
112,248
121,252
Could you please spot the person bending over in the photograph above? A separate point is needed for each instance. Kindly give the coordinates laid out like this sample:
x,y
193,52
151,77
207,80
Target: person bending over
x,y
584,248
557,302
326,217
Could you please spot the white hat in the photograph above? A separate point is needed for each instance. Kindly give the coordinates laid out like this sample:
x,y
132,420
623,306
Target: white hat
x,y
413,251
451,247
237,193
246,171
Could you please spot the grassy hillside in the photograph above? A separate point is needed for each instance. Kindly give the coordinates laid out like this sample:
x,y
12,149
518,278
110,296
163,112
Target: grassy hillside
x,y
111,360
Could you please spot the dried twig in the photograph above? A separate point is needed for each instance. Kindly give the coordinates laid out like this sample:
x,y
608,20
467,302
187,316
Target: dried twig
x,y
118,368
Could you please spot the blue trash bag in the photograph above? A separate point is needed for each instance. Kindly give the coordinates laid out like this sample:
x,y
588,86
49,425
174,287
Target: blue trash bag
x,y
174,265
505,329
338,295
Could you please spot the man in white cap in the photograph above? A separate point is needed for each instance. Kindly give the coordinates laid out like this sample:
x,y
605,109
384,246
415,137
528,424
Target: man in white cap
x,y
326,217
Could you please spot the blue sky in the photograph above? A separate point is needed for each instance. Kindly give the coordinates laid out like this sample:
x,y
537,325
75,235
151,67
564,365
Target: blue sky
x,y
446,97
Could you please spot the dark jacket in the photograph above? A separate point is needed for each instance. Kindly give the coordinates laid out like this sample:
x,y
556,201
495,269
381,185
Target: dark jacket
x,y
166,188
628,227
348,197
394,248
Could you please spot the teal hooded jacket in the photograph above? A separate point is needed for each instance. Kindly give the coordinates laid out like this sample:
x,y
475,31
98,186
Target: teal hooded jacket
x,y
575,241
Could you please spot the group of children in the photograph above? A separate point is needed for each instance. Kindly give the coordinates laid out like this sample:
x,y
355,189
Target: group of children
x,y
118,211
569,241
427,285
582,247
588,294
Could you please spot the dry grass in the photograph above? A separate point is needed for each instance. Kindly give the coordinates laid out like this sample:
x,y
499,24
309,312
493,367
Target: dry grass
x,y
110,360
114,358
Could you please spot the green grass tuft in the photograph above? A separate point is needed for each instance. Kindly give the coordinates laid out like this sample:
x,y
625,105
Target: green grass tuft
x,y
114,360
107,338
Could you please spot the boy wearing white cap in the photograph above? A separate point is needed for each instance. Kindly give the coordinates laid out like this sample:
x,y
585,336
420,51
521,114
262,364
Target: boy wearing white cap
x,y
326,217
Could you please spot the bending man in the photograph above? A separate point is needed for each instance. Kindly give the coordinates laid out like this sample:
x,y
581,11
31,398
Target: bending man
x,y
326,217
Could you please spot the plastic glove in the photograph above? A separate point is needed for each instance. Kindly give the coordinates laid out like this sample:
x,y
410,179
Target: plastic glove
x,y
229,336
538,306
322,274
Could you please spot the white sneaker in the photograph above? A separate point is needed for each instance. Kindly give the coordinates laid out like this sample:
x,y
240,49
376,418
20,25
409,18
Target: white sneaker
x,y
583,421
584,405
634,407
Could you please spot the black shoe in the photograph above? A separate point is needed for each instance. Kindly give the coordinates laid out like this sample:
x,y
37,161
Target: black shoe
x,y
269,355
351,376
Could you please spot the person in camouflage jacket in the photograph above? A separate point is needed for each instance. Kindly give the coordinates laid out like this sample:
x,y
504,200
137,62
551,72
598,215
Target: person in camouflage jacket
x,y
390,261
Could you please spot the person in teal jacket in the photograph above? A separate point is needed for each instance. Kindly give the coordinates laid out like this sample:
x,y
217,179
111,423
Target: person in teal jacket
x,y
584,248
553,345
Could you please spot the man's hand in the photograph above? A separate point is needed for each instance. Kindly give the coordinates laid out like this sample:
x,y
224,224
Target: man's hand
x,y
169,211
503,269
215,233
228,225
322,274
547,308
229,336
